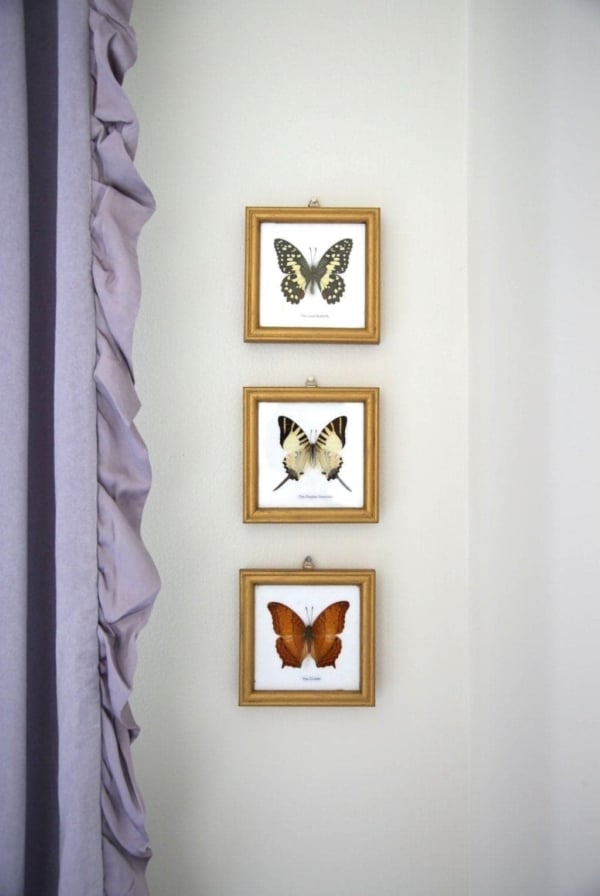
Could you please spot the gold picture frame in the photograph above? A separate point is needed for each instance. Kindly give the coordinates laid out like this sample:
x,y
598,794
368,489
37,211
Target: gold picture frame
x,y
311,455
329,259
307,637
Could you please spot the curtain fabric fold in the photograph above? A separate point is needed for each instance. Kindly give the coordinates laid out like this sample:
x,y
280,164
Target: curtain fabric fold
x,y
41,742
77,582
128,581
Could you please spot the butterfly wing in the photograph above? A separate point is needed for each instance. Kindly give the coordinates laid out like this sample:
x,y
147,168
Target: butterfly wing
x,y
330,442
325,646
327,272
296,268
297,447
291,645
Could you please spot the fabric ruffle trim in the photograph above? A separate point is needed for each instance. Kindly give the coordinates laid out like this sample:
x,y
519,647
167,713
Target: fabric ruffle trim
x,y
127,578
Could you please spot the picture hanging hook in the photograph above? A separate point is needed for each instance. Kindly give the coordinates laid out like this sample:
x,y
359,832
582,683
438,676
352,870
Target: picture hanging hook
x,y
308,562
314,203
311,382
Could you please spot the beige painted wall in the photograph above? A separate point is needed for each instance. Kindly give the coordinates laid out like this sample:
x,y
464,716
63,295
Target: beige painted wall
x,y
272,103
477,771
534,325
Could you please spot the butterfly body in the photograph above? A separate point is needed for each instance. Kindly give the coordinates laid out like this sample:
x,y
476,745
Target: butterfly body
x,y
302,275
300,452
298,640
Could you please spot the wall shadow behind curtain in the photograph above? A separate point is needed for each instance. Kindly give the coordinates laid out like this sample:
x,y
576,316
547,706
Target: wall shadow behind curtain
x,y
66,724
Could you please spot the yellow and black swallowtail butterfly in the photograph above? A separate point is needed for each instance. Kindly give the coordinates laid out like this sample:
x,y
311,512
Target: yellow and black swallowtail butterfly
x,y
324,451
302,275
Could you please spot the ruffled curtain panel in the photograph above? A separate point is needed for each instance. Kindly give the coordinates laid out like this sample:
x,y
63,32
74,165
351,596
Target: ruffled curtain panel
x,y
77,582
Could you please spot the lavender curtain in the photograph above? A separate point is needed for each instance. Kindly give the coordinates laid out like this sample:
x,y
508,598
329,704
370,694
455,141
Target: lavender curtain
x,y
77,582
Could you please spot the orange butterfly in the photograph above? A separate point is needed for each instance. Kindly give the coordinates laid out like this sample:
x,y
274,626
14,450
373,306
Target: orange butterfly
x,y
319,639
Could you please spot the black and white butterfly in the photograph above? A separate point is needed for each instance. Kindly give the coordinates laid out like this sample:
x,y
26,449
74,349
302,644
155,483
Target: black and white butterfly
x,y
324,451
302,275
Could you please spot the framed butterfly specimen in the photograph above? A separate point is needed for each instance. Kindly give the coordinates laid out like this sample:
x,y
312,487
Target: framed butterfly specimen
x,y
307,637
311,455
312,275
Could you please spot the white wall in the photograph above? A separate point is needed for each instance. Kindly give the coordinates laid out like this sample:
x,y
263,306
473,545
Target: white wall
x,y
534,265
477,771
272,103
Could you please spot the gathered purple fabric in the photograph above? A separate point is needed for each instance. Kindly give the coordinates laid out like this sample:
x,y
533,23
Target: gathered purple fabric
x,y
127,578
